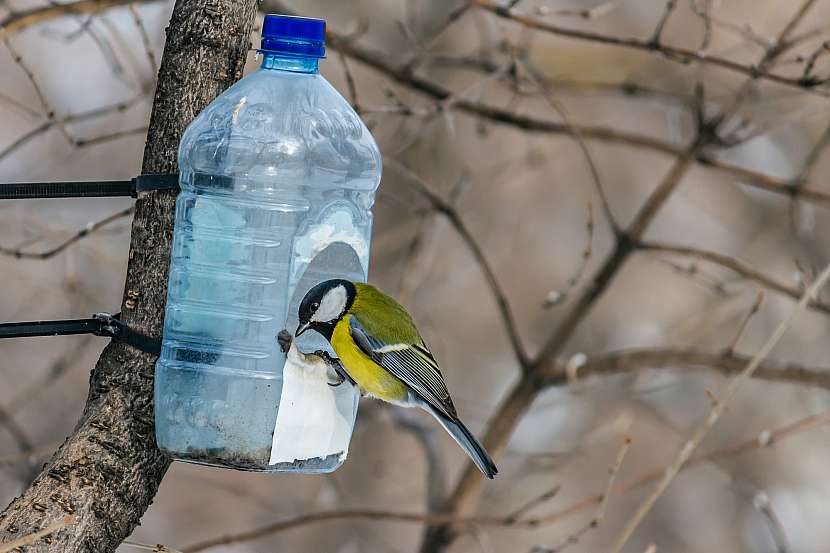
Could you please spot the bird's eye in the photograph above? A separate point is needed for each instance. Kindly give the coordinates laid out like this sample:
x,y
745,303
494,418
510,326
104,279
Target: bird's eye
x,y
315,305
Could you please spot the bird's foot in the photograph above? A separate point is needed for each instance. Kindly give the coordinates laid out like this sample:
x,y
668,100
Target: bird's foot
x,y
340,374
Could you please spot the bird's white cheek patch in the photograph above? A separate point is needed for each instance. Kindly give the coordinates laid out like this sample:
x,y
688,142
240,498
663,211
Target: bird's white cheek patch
x,y
331,306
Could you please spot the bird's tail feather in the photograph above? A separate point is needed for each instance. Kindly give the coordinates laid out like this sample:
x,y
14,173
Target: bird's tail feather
x,y
467,441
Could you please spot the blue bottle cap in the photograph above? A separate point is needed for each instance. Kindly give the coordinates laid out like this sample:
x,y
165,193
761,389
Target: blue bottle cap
x,y
295,36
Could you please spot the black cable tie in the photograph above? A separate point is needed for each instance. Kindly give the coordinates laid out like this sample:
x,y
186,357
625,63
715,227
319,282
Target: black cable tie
x,y
111,325
101,324
89,189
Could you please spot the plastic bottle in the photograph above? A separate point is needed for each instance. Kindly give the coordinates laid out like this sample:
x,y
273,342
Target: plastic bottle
x,y
278,177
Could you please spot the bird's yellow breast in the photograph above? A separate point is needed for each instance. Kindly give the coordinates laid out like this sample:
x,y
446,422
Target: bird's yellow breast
x,y
372,379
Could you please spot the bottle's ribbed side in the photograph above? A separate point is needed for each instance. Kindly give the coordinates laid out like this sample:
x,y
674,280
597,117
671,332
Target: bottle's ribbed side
x,y
227,282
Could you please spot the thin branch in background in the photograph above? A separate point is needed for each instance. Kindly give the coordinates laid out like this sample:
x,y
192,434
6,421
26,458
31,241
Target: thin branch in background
x,y
556,297
532,503
18,59
145,40
559,108
22,19
673,53
657,35
693,271
756,305
102,42
423,46
716,412
612,477
89,229
8,422
108,137
350,82
763,504
809,164
446,209
66,120
20,106
807,76
20,543
710,21
157,548
776,49
594,12
705,13
628,361
737,266
574,537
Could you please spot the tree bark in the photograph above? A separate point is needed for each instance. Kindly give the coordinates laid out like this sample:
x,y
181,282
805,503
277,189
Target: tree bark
x,y
108,471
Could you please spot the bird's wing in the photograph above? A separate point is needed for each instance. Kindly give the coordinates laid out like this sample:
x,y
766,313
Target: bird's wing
x,y
411,363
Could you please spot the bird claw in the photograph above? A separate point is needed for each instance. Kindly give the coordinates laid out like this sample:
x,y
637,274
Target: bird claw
x,y
340,373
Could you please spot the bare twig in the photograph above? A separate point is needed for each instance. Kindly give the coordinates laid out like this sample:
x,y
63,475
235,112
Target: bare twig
x,y
155,548
19,20
18,59
574,537
762,502
756,305
145,40
725,362
594,12
556,297
661,24
557,106
107,137
66,120
673,53
737,266
532,503
717,411
350,83
7,421
90,228
446,209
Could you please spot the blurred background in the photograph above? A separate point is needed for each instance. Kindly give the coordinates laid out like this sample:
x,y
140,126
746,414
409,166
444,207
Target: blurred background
x,y
518,199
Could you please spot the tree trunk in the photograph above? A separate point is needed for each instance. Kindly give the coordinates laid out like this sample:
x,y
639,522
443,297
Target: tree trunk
x,y
107,472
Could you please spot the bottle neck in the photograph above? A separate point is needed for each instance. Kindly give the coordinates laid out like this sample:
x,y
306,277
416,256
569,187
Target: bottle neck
x,y
293,64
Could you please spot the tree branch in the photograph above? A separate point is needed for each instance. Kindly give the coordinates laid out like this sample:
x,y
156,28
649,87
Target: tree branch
x,y
19,20
726,363
107,472
737,266
673,53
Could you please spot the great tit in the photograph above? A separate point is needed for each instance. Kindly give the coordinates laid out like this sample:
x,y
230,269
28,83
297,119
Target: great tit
x,y
382,351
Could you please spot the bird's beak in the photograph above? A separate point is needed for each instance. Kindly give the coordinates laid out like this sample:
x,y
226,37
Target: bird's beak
x,y
302,328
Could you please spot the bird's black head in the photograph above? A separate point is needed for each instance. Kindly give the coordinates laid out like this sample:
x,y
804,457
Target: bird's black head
x,y
324,305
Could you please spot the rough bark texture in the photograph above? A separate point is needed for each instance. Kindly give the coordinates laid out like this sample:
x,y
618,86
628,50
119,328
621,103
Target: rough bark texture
x,y
107,472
